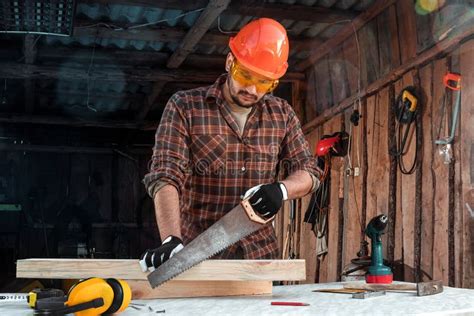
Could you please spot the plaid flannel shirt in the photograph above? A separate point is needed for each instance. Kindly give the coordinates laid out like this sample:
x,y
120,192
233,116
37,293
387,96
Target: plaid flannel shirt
x,y
199,150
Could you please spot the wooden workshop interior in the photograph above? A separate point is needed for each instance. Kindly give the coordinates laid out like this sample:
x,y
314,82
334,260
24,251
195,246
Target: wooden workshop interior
x,y
81,98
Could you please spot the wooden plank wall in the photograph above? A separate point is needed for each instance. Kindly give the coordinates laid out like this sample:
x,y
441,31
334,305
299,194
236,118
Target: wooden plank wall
x,y
431,210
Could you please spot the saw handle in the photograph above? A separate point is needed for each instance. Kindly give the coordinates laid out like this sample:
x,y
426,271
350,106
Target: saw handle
x,y
253,216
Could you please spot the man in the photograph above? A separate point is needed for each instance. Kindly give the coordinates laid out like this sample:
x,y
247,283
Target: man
x,y
215,144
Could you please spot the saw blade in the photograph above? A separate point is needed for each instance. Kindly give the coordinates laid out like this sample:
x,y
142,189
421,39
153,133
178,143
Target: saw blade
x,y
232,227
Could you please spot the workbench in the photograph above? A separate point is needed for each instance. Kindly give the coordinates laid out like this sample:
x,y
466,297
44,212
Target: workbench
x,y
451,301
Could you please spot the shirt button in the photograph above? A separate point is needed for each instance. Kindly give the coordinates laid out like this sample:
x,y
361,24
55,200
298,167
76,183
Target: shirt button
x,y
245,141
243,169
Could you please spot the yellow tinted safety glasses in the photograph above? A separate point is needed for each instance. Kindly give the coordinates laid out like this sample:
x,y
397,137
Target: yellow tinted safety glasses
x,y
247,78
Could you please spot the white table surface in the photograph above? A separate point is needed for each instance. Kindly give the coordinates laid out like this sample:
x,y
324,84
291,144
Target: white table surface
x,y
453,301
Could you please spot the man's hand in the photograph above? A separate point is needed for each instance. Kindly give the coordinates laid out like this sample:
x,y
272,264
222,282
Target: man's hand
x,y
153,258
267,199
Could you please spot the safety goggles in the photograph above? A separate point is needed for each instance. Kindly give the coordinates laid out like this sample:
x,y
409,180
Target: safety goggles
x,y
247,78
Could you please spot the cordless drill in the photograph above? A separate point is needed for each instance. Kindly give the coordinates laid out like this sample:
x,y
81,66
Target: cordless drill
x,y
378,272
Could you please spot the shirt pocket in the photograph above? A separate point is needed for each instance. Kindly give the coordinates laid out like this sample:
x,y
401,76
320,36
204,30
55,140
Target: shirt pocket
x,y
208,152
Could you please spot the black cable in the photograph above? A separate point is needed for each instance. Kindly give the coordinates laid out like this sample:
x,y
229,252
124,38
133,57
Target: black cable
x,y
401,164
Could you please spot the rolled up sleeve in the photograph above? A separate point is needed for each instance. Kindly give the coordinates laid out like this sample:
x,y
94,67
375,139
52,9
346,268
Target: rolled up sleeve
x,y
295,152
170,159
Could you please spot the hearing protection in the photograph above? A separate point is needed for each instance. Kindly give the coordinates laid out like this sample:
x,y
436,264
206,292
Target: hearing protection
x,y
89,297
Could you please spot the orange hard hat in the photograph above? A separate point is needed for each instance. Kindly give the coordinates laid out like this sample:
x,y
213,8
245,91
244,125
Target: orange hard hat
x,y
262,47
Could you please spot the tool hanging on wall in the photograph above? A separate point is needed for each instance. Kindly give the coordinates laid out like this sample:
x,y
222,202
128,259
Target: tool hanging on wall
x,y
334,145
451,81
405,109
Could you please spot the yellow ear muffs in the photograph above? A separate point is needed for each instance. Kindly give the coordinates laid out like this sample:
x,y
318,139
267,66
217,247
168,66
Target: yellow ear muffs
x,y
89,290
122,296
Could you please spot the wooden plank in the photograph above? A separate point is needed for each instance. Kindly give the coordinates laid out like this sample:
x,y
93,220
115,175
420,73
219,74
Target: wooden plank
x,y
384,43
329,272
58,120
308,238
344,33
407,195
378,160
281,11
324,86
213,9
466,145
20,71
444,46
338,76
426,260
141,290
394,43
351,57
406,29
128,269
353,210
440,188
369,53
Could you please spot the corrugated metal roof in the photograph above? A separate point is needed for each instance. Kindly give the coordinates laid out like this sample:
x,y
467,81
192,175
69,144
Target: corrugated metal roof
x,y
70,93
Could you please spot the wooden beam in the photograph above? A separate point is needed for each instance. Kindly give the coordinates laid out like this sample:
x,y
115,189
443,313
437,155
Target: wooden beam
x,y
278,11
160,33
129,269
150,100
127,57
30,52
197,31
128,73
141,290
344,33
443,47
282,11
75,149
75,122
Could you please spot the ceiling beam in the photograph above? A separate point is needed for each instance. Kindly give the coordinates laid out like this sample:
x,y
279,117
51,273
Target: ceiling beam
x,y
197,31
344,33
84,28
281,11
150,100
257,8
13,70
127,57
69,121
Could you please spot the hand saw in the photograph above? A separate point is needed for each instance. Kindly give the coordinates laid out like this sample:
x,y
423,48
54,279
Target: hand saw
x,y
240,222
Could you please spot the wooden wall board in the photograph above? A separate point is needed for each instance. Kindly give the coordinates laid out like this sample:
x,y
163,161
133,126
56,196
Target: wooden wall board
x,y
426,260
394,43
384,43
466,145
378,157
141,290
440,188
311,94
323,85
329,263
338,76
368,39
353,207
307,236
128,269
407,202
407,29
351,59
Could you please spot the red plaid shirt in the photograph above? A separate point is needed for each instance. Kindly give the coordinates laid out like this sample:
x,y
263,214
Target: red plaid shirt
x,y
199,150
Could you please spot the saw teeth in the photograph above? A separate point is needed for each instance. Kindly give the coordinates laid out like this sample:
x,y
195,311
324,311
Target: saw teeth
x,y
212,255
